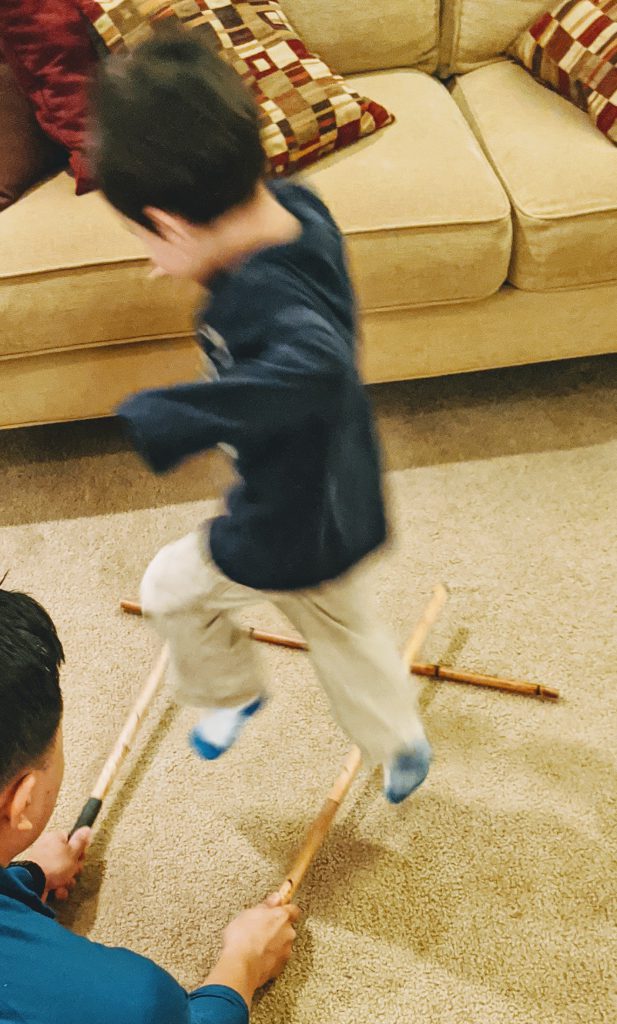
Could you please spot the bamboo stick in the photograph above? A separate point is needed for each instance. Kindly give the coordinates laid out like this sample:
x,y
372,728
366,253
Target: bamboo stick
x,y
123,744
277,639
130,607
442,672
342,784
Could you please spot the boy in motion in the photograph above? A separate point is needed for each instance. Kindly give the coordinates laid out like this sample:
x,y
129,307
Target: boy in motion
x,y
176,149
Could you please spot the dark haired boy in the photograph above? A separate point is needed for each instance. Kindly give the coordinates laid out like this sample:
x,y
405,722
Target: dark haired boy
x,y
47,974
176,149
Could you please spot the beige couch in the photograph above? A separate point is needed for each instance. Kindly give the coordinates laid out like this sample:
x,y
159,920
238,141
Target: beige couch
x,y
482,226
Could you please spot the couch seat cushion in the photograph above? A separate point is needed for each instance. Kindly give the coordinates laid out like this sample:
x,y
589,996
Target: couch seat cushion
x,y
72,276
425,216
559,171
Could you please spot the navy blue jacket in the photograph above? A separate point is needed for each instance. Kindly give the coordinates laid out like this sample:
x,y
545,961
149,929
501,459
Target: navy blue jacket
x,y
50,976
279,334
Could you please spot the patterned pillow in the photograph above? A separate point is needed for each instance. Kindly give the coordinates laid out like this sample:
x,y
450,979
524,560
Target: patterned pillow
x,y
307,110
573,49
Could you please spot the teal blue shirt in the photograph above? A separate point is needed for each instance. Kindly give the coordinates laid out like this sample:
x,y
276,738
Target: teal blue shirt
x,y
48,975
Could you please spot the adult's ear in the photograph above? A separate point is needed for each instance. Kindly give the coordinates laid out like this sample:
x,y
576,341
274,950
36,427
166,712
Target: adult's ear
x,y
18,801
170,226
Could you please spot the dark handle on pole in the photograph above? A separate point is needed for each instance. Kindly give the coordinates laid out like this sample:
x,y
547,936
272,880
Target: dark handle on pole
x,y
89,814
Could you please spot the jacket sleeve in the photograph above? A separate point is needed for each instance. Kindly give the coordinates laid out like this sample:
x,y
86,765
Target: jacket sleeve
x,y
29,875
216,1004
258,397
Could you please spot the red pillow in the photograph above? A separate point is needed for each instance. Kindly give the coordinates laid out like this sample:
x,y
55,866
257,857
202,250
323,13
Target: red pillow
x,y
47,44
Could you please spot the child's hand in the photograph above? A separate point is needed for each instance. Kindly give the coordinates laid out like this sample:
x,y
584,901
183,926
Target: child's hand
x,y
62,859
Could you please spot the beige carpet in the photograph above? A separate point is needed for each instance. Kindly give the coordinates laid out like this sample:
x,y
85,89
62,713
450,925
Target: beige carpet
x,y
489,897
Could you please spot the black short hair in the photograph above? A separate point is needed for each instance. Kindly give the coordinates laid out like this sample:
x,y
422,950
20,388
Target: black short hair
x,y
30,697
173,126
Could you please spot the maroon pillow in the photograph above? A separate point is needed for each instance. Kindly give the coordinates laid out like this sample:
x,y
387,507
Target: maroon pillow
x,y
26,155
47,44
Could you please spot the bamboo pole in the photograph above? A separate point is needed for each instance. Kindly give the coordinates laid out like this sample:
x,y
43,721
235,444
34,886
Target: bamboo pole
x,y
123,744
442,672
342,784
280,641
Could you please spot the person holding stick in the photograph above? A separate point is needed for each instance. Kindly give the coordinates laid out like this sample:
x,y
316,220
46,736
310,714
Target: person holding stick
x,y
49,974
175,147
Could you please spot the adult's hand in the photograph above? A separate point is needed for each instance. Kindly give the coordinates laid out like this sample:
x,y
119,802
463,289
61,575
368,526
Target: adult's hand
x,y
256,947
61,859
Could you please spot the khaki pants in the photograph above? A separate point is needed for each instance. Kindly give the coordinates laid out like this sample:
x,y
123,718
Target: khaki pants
x,y
213,662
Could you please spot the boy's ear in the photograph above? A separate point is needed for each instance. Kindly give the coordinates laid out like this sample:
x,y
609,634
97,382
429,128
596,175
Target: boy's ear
x,y
170,226
17,802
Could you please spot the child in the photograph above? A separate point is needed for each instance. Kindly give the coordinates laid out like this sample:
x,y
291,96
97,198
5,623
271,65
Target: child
x,y
176,149
48,974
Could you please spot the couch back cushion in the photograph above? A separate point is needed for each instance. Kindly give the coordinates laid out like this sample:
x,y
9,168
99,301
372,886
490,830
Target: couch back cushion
x,y
369,35
477,32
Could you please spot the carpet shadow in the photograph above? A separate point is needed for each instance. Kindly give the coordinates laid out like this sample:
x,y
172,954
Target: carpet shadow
x,y
292,981
54,472
80,912
513,411
374,891
573,768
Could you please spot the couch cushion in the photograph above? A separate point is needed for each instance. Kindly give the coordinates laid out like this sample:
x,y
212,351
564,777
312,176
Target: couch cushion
x,y
560,174
571,49
47,44
364,36
27,155
478,32
417,232
72,276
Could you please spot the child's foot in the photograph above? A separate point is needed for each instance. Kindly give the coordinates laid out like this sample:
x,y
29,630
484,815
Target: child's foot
x,y
218,730
406,771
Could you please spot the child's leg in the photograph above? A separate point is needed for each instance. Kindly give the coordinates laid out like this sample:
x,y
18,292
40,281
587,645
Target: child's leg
x,y
371,693
212,662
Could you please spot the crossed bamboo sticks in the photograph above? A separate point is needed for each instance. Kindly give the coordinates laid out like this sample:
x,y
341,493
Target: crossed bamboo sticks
x,y
342,784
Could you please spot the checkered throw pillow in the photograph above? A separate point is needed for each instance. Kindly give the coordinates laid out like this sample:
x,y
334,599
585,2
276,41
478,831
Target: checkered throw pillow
x,y
307,110
573,49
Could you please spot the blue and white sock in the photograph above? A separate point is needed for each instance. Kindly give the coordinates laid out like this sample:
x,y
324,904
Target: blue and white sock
x,y
406,771
218,730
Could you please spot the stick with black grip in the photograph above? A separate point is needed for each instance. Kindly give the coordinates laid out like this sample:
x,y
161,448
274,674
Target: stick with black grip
x,y
123,744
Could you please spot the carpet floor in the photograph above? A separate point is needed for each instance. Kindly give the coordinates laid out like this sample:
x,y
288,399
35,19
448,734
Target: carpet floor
x,y
489,897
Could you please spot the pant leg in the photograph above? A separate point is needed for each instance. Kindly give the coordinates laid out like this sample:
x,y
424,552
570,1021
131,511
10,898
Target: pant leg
x,y
371,692
190,604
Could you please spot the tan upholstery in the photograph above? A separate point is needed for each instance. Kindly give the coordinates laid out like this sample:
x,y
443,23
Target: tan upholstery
x,y
87,284
509,328
559,171
428,222
476,32
365,36
417,233
71,275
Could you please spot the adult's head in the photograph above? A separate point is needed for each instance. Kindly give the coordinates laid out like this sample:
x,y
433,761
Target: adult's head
x,y
31,754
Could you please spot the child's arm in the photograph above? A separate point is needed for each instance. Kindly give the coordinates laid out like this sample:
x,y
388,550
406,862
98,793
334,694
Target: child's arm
x,y
295,377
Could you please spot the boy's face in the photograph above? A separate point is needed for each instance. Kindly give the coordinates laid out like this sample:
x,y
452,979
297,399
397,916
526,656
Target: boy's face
x,y
179,249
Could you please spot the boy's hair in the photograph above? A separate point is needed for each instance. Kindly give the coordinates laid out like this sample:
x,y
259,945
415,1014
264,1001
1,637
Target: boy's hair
x,y
174,127
30,697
